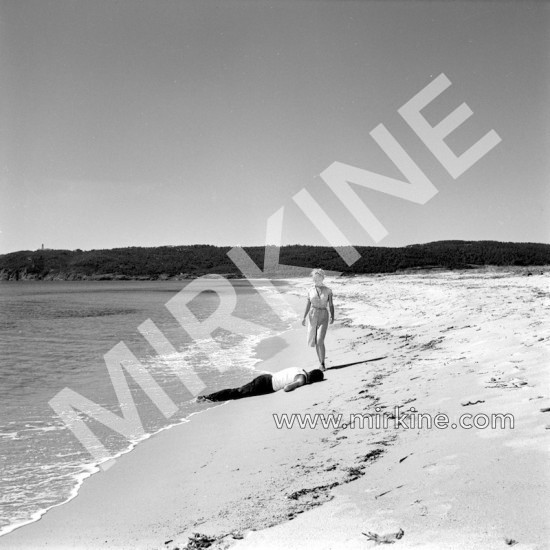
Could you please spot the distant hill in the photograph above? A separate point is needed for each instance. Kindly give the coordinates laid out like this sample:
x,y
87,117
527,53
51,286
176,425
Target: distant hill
x,y
180,262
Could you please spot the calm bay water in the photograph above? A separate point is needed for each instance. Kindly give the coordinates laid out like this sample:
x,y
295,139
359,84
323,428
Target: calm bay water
x,y
54,335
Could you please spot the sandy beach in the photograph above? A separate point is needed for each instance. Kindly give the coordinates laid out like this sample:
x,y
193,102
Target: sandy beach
x,y
447,343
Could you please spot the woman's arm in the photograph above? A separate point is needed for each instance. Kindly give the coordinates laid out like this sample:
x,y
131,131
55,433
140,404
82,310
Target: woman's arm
x,y
308,306
331,307
299,380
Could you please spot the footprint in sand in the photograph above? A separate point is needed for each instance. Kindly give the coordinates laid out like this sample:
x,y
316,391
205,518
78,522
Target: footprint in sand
x,y
545,410
499,383
439,468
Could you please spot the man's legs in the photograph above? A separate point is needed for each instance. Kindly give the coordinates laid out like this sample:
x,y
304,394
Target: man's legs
x,y
259,386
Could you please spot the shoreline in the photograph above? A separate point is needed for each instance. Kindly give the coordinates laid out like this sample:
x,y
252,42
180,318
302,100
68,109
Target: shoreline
x,y
56,527
274,343
276,278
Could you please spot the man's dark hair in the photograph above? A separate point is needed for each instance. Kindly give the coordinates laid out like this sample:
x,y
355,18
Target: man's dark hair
x,y
316,375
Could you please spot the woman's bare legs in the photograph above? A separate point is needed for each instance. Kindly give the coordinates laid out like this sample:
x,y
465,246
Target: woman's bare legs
x,y
320,348
320,344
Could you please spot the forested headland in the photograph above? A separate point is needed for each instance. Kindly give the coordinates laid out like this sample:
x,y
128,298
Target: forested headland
x,y
184,262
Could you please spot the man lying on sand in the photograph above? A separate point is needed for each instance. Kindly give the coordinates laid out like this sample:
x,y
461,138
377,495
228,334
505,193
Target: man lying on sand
x,y
287,380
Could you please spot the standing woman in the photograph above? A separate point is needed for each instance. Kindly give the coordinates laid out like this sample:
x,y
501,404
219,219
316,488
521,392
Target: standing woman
x,y
319,297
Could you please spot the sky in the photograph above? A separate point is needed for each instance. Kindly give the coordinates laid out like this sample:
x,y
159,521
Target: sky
x,y
148,123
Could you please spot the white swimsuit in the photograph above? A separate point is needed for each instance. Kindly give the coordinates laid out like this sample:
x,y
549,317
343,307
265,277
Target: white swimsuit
x,y
318,313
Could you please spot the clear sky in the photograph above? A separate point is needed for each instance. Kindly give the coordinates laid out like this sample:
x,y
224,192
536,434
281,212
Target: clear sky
x,y
145,123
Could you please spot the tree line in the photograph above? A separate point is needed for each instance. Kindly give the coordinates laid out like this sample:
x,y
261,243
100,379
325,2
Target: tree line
x,y
196,260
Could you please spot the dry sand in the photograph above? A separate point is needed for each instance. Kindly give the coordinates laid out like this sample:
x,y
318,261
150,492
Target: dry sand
x,y
449,343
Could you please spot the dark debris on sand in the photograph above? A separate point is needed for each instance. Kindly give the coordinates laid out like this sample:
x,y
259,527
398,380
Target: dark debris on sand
x,y
200,540
297,494
384,539
371,456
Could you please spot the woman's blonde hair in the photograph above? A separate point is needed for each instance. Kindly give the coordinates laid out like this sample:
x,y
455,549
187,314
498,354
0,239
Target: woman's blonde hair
x,y
318,273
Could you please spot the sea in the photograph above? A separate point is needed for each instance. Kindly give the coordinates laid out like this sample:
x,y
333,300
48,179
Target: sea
x,y
54,335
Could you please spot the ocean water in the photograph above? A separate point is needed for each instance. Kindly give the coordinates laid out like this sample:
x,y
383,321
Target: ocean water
x,y
54,335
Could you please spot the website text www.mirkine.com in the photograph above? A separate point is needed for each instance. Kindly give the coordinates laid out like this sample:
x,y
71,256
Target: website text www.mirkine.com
x,y
410,419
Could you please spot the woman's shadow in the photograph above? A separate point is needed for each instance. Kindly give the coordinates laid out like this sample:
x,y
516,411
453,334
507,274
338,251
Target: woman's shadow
x,y
355,363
